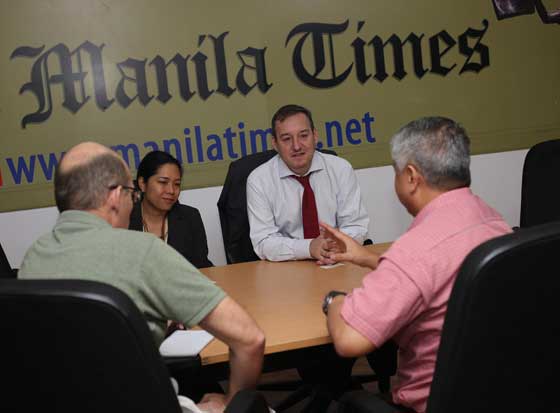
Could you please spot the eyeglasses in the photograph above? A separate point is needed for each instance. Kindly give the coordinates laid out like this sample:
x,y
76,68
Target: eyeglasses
x,y
135,194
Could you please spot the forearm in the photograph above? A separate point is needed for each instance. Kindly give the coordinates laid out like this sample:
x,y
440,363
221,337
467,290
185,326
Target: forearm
x,y
231,324
347,341
367,259
279,248
245,368
346,249
335,323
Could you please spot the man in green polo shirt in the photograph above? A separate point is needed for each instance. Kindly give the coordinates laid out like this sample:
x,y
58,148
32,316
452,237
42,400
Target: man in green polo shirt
x,y
95,194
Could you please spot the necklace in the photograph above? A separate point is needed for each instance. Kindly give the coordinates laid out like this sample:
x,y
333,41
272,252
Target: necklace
x,y
163,232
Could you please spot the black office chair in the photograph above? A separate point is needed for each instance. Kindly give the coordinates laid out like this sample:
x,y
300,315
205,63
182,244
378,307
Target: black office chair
x,y
80,346
232,207
6,270
498,350
540,199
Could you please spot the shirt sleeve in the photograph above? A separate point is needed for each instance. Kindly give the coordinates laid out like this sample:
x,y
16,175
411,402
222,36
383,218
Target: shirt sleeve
x,y
387,301
175,288
268,242
351,215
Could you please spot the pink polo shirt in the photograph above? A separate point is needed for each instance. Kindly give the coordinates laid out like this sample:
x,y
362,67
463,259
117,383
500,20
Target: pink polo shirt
x,y
405,298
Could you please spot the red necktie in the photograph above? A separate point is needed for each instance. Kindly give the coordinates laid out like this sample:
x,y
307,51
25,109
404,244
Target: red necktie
x,y
308,209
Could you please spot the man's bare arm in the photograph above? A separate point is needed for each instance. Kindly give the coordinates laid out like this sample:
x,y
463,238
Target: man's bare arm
x,y
347,341
230,323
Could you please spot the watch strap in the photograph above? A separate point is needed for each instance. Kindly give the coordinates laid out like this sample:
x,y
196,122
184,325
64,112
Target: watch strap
x,y
328,299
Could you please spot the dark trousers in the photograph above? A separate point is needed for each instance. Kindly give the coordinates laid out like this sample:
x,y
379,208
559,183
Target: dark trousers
x,y
194,382
365,402
328,374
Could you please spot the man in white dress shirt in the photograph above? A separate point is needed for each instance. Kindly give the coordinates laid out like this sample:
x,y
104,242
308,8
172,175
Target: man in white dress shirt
x,y
284,226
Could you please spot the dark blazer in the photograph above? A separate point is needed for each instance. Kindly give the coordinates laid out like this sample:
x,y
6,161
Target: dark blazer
x,y
185,232
6,270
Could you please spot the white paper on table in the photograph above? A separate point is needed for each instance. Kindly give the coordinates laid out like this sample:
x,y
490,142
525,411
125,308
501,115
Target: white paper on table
x,y
185,343
328,267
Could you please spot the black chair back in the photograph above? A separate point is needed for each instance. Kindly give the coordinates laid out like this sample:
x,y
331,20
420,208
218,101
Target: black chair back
x,y
5,268
78,346
498,350
540,199
232,207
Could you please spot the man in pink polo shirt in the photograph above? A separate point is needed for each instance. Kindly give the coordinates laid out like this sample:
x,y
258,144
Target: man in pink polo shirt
x,y
405,297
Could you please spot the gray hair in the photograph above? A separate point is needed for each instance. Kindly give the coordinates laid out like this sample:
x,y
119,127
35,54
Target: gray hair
x,y
86,186
438,147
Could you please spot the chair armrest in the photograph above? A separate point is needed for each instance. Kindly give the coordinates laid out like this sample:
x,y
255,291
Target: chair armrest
x,y
183,362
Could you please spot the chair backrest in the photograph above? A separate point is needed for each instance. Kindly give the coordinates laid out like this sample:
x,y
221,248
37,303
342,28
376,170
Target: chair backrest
x,y
232,207
78,346
501,335
5,268
540,200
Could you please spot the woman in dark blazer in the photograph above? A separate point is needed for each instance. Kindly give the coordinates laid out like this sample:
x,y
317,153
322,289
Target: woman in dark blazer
x,y
160,213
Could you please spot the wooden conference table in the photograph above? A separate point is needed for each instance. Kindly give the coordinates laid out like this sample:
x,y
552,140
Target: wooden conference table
x,y
285,300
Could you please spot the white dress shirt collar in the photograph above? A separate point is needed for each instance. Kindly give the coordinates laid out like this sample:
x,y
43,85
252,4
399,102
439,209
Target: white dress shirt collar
x,y
317,164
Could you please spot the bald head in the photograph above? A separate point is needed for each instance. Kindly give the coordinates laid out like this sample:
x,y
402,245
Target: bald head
x,y
83,153
85,175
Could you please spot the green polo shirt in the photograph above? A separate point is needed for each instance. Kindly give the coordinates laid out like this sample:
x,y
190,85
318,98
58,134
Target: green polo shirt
x,y
159,280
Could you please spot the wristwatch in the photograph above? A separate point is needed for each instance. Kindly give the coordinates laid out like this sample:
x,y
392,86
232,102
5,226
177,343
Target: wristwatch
x,y
328,299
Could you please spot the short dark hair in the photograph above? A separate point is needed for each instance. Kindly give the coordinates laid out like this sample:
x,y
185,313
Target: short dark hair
x,y
153,161
439,147
86,186
289,110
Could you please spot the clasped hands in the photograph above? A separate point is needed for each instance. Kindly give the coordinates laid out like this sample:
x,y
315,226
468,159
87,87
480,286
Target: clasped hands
x,y
333,246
